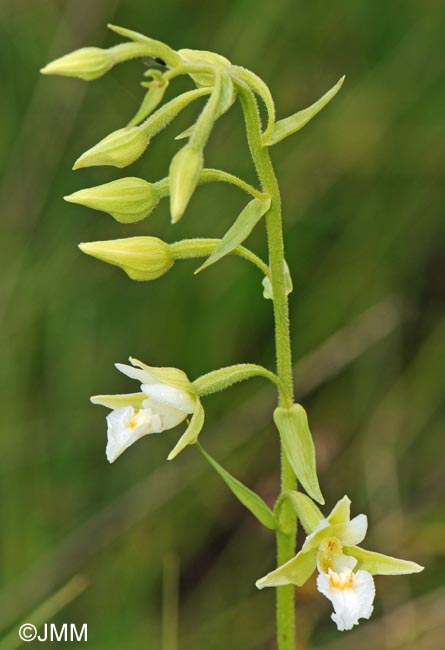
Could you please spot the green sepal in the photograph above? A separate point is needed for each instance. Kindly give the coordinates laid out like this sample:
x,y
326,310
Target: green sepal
x,y
222,378
191,434
341,512
118,401
379,564
166,375
295,122
309,515
295,572
298,445
239,231
245,495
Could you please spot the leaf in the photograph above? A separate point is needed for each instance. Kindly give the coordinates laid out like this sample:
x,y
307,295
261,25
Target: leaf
x,y
239,231
299,447
190,436
221,379
307,512
294,572
378,564
295,122
248,498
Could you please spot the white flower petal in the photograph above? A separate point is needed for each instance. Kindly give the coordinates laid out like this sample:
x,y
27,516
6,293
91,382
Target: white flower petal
x,y
125,426
169,417
135,373
352,596
353,532
170,396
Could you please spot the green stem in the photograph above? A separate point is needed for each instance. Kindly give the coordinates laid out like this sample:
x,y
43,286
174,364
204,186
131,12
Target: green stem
x,y
212,176
285,539
191,248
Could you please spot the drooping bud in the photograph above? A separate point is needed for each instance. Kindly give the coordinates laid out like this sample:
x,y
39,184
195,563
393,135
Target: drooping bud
x,y
88,63
185,171
142,258
118,149
127,199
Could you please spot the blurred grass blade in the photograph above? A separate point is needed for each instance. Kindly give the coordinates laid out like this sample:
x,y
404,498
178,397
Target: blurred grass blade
x,y
45,612
170,603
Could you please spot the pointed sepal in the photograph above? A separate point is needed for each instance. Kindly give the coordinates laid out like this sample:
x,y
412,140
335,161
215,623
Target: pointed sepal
x,y
295,572
190,436
379,564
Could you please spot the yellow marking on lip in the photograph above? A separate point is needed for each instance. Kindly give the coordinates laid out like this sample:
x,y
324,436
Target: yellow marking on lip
x,y
342,581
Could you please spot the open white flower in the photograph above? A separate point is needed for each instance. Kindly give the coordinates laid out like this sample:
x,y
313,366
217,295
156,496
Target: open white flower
x,y
345,569
166,399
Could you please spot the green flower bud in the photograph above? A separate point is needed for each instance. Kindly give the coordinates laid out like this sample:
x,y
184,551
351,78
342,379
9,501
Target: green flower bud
x,y
142,258
185,171
127,199
88,63
118,149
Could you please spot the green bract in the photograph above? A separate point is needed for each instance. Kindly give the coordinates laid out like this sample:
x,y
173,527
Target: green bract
x,y
299,447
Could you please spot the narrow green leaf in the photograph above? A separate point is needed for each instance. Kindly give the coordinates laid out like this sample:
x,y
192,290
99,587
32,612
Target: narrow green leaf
x,y
248,498
299,447
239,231
190,436
221,379
379,564
307,512
294,572
295,122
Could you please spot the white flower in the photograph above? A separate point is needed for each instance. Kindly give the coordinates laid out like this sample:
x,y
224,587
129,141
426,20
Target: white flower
x,y
345,569
166,399
126,425
351,594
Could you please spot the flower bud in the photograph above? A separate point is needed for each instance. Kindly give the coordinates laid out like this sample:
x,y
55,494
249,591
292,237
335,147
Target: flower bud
x,y
185,171
88,63
142,258
118,149
127,199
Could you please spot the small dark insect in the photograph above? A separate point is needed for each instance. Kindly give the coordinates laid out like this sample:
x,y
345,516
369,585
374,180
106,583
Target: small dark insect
x,y
153,60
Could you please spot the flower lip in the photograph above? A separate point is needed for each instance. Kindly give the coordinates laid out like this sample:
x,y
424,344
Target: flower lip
x,y
352,596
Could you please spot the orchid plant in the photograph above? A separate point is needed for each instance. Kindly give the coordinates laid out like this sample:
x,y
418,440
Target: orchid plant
x,y
167,397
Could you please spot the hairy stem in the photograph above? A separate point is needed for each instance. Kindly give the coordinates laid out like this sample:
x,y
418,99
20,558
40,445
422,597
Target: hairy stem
x,y
285,540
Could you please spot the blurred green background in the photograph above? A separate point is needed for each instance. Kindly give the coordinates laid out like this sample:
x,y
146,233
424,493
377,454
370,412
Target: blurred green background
x,y
363,203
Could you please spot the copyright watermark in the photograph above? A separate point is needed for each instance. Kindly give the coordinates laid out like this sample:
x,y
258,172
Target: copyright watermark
x,y
51,632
